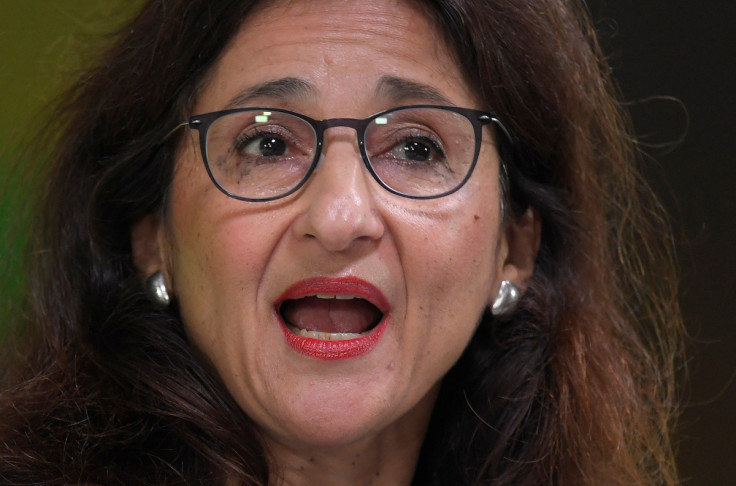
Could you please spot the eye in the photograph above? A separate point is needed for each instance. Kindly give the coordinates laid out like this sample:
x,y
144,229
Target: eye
x,y
261,144
418,149
414,150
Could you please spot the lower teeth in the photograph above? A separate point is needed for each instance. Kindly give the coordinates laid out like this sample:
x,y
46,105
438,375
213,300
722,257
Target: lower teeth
x,y
325,336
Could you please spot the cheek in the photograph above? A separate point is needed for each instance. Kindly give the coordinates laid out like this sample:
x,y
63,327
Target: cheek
x,y
458,257
209,233
463,274
211,264
451,269
212,254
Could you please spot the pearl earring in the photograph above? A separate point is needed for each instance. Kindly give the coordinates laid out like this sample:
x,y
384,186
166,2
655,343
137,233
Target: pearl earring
x,y
157,291
505,302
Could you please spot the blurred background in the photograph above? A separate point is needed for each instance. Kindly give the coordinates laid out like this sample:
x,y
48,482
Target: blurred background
x,y
675,62
687,50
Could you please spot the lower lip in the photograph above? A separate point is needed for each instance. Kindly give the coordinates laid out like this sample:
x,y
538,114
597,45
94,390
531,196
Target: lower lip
x,y
343,349
334,350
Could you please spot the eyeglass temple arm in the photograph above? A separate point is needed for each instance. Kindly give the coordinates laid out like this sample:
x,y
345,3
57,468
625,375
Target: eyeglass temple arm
x,y
174,130
486,119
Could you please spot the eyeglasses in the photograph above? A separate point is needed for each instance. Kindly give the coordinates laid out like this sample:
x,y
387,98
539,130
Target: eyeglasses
x,y
262,154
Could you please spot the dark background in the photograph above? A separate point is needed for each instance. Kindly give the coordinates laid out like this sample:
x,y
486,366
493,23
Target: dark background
x,y
687,50
660,50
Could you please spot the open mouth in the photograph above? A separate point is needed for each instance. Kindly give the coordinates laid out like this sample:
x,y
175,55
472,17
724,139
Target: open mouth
x,y
330,317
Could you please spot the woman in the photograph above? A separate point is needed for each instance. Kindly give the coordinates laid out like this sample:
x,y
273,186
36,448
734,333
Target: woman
x,y
474,292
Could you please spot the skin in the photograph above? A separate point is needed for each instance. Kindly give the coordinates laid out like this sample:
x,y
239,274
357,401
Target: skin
x,y
439,262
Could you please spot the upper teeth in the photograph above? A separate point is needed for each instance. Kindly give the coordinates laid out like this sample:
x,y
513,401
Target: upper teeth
x,y
335,296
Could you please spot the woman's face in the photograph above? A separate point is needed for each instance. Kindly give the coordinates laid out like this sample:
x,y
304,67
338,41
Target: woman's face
x,y
243,272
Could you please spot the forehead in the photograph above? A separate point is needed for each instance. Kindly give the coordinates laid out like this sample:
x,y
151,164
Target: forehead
x,y
332,43
331,19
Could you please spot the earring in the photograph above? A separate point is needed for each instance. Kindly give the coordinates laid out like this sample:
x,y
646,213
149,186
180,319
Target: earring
x,y
157,291
505,302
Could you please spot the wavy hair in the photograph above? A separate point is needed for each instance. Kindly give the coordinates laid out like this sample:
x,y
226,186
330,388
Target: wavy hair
x,y
576,387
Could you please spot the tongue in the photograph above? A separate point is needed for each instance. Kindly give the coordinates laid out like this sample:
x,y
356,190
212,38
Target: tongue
x,y
331,315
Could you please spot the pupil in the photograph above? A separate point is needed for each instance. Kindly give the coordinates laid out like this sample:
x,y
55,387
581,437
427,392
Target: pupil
x,y
416,151
271,147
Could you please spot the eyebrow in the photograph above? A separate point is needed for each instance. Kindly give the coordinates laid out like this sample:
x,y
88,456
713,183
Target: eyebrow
x,y
283,88
399,90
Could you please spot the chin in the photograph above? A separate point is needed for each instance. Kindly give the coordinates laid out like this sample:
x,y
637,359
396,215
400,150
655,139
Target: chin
x,y
340,420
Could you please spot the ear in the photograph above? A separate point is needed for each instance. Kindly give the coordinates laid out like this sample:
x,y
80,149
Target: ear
x,y
520,244
146,243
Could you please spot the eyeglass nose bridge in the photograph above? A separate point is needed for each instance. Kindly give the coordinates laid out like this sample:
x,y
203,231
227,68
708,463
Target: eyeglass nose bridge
x,y
358,125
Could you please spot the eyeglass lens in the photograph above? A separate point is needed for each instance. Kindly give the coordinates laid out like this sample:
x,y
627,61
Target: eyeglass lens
x,y
260,154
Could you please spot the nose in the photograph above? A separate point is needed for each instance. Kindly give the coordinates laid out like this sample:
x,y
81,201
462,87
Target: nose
x,y
341,210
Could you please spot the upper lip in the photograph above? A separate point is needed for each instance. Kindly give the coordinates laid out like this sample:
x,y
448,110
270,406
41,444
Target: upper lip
x,y
338,286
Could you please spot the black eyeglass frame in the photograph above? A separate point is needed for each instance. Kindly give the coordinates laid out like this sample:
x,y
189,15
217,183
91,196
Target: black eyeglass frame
x,y
477,118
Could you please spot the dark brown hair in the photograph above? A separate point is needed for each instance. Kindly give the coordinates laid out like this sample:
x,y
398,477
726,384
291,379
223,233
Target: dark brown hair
x,y
576,387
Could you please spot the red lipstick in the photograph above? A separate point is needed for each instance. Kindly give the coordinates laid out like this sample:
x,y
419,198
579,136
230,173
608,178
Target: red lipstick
x,y
338,349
